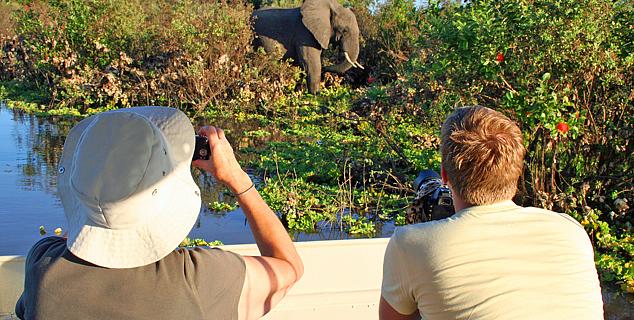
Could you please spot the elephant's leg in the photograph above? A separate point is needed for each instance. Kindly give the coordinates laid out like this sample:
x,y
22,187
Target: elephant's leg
x,y
272,47
311,61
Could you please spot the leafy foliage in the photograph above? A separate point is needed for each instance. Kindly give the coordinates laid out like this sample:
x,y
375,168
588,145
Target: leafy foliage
x,y
198,242
222,206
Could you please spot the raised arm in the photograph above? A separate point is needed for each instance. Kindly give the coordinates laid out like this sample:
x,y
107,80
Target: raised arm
x,y
269,276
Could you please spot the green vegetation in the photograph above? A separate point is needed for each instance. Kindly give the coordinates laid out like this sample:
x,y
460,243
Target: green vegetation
x,y
188,243
346,157
222,206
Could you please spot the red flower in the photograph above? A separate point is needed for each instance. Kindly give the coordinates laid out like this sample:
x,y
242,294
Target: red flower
x,y
371,79
499,57
563,127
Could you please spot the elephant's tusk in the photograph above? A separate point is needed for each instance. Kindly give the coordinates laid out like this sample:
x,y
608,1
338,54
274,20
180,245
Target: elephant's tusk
x,y
354,64
348,59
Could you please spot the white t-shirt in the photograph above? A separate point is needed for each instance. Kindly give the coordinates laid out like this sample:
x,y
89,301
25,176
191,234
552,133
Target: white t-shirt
x,y
498,261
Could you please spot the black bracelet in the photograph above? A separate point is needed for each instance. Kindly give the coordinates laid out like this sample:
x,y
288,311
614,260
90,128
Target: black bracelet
x,y
245,191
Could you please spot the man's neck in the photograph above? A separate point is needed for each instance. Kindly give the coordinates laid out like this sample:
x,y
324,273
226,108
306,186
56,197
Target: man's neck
x,y
458,203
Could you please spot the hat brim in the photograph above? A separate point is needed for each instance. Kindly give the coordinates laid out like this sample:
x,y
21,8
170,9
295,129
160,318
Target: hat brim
x,y
173,205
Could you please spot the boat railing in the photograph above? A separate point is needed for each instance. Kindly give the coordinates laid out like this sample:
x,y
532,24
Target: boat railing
x,y
342,280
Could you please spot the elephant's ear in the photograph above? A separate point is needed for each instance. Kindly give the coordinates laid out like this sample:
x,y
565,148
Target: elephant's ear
x,y
316,17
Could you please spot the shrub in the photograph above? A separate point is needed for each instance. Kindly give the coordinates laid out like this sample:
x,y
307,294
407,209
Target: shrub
x,y
389,29
190,54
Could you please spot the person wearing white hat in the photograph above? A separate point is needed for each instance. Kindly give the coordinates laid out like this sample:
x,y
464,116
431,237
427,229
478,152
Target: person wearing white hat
x,y
126,186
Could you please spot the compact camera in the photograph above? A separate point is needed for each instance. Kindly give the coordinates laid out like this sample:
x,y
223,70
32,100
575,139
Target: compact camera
x,y
201,150
433,199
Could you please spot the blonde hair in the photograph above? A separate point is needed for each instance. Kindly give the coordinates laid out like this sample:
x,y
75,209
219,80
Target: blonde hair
x,y
482,154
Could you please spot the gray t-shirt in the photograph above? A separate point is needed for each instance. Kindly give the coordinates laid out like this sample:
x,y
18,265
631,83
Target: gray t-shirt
x,y
200,283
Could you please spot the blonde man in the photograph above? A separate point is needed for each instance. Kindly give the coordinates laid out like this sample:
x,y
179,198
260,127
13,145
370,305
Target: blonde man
x,y
492,259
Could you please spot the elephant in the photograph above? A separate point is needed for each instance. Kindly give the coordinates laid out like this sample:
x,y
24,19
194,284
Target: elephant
x,y
302,33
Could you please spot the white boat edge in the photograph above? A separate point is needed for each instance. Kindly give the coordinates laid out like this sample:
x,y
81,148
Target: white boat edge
x,y
342,280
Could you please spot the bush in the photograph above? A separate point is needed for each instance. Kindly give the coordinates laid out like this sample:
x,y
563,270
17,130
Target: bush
x,y
389,29
190,54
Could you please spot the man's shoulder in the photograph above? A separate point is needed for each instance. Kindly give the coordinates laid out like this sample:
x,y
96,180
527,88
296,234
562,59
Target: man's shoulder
x,y
552,216
203,258
204,252
427,234
466,223
423,227
458,220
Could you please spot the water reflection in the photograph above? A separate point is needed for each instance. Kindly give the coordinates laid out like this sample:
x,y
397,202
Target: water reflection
x,y
42,140
30,148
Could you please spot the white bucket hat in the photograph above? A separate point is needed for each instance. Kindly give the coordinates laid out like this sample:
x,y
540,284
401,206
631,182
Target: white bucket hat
x,y
126,186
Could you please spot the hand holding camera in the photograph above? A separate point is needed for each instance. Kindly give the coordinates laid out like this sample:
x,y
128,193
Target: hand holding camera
x,y
221,161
